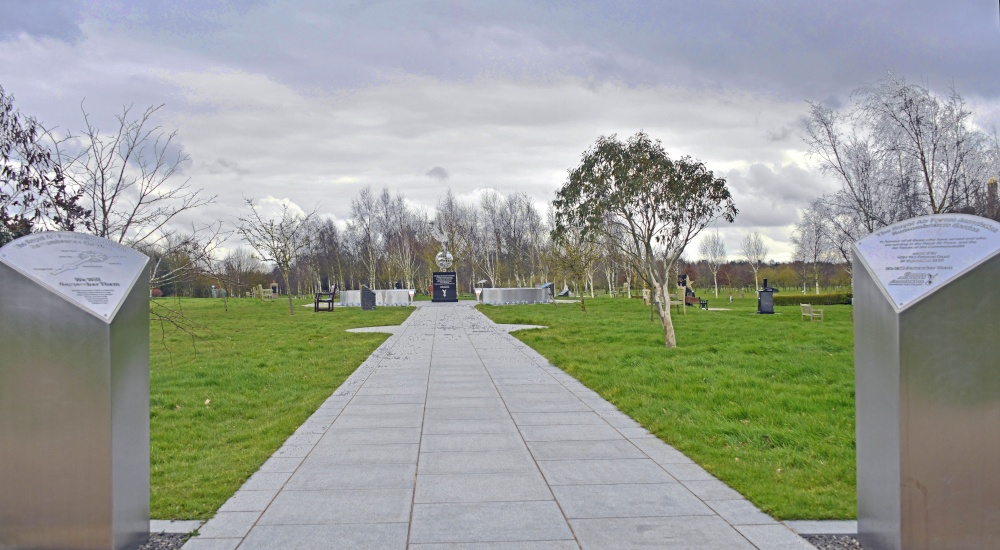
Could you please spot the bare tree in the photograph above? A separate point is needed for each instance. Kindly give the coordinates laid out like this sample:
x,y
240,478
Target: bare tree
x,y
129,178
900,151
238,267
755,251
278,240
713,251
812,244
364,226
576,253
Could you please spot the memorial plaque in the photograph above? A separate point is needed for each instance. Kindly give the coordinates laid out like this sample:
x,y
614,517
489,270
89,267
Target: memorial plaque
x,y
445,286
912,259
91,272
74,393
927,383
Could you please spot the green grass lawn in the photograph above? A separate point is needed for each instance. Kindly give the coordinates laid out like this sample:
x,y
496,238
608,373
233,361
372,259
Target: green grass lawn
x,y
221,404
764,402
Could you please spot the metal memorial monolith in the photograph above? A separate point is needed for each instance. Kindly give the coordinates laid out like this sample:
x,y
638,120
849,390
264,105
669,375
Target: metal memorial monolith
x,y
927,368
74,393
444,283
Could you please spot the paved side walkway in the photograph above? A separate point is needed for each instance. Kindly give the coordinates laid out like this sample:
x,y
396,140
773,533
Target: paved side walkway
x,y
453,434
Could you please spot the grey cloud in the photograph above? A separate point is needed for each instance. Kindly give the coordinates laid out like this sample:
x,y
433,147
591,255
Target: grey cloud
x,y
41,18
788,48
224,166
772,198
437,173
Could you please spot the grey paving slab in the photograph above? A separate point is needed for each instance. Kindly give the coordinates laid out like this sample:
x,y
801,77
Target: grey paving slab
x,y
687,471
477,462
711,489
556,418
740,512
201,543
266,481
174,526
628,500
228,525
248,501
481,488
394,420
824,527
438,443
334,507
518,545
569,450
467,413
488,522
454,435
336,452
442,426
777,537
362,536
682,533
582,432
372,436
591,472
328,477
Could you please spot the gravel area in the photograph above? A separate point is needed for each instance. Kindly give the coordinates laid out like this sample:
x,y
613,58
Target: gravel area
x,y
833,542
165,541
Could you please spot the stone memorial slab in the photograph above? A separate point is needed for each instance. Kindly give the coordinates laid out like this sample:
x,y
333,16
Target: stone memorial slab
x,y
445,286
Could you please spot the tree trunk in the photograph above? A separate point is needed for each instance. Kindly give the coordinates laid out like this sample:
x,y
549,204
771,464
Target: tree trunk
x,y
669,338
715,277
291,305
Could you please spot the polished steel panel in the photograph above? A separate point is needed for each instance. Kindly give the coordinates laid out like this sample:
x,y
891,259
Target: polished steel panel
x,y
876,368
74,412
927,362
509,296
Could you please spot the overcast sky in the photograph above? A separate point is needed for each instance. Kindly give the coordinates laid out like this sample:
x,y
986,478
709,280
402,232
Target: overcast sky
x,y
302,101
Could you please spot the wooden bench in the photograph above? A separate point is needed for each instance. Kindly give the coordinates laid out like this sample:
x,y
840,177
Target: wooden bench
x,y
703,304
808,311
325,299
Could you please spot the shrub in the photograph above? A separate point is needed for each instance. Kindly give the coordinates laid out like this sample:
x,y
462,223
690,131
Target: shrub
x,y
835,298
156,293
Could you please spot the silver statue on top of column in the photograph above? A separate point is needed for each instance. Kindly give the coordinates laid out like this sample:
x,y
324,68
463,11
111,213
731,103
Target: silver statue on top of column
x,y
444,259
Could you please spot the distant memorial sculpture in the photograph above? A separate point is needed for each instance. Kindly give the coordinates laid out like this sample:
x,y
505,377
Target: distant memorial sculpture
x,y
927,368
74,393
445,282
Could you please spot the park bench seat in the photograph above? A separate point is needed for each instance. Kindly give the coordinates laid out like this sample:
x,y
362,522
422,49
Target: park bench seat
x,y
808,311
324,300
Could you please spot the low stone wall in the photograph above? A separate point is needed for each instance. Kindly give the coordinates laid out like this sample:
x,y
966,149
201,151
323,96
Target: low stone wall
x,y
510,296
384,298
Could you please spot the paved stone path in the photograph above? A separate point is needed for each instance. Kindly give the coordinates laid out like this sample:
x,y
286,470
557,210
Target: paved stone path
x,y
453,434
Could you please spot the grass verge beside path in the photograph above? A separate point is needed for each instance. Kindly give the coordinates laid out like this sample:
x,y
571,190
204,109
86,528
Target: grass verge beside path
x,y
222,404
763,402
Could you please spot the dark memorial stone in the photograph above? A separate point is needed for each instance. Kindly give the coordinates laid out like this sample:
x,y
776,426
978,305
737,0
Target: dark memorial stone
x,y
367,299
445,286
765,299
